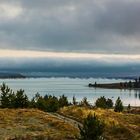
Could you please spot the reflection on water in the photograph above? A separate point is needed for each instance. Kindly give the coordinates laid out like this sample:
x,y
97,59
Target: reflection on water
x,y
74,87
137,94
131,97
135,91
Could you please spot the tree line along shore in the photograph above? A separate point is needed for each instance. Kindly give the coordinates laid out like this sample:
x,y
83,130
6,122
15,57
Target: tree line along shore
x,y
49,103
135,84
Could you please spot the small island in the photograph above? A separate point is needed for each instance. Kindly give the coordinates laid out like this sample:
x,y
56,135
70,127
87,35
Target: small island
x,y
135,84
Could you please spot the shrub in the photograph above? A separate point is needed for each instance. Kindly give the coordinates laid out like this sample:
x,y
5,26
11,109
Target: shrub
x,y
41,104
92,128
85,102
109,103
11,100
118,105
63,101
74,102
102,102
128,108
52,104
34,100
47,103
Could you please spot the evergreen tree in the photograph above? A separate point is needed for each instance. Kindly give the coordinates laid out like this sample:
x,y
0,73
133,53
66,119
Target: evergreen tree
x,y
92,128
21,100
12,98
85,102
109,103
101,102
63,101
34,101
6,93
118,105
74,101
52,104
129,108
41,103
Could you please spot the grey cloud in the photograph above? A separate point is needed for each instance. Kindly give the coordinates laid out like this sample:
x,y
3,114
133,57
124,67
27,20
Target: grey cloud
x,y
73,25
121,17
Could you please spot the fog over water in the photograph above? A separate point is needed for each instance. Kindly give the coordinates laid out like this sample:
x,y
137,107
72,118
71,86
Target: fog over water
x,y
73,67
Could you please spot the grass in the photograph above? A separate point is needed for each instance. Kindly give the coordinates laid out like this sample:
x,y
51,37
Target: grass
x,y
32,124
119,126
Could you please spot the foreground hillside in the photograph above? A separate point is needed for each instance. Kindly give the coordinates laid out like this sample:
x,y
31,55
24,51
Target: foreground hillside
x,y
32,124
118,126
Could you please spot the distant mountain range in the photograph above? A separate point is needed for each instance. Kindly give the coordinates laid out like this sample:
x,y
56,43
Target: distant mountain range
x,y
78,75
5,75
15,75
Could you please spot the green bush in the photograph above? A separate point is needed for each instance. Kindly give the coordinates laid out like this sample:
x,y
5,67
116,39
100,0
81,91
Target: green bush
x,y
84,102
52,104
92,128
102,102
63,101
11,100
109,103
47,103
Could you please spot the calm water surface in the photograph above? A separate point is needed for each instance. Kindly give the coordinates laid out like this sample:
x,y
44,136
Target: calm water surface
x,y
73,87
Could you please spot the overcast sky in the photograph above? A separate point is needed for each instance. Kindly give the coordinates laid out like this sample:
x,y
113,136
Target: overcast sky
x,y
109,27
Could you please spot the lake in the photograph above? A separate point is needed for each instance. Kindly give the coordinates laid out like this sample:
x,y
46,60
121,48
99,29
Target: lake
x,y
73,87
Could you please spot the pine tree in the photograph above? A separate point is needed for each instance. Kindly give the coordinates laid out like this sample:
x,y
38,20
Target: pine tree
x,y
74,101
128,108
101,102
6,96
63,101
92,128
85,102
118,105
21,100
109,103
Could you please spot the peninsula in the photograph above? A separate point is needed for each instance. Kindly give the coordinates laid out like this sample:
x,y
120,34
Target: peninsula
x,y
122,85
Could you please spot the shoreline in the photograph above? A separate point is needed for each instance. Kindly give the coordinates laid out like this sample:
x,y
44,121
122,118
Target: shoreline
x,y
135,84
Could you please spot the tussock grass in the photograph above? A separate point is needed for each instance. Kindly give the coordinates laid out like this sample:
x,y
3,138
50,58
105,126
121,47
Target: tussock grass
x,y
119,126
33,124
